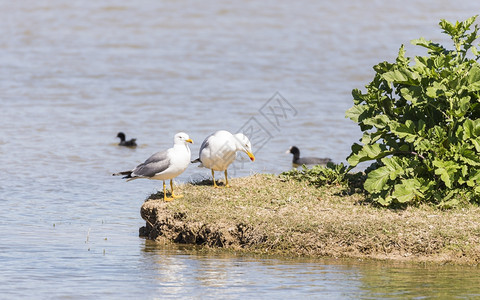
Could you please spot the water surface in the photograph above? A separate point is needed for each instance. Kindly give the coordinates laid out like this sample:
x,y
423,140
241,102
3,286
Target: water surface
x,y
74,73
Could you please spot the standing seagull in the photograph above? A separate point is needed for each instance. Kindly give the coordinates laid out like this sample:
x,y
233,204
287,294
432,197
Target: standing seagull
x,y
297,161
219,150
164,165
123,142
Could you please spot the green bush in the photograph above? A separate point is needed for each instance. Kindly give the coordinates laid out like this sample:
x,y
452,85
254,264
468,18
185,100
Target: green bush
x,y
420,124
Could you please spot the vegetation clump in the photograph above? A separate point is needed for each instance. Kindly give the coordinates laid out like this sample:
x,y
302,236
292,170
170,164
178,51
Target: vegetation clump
x,y
331,174
420,123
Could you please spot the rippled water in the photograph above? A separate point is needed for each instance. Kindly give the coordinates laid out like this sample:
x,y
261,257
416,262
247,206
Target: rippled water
x,y
74,73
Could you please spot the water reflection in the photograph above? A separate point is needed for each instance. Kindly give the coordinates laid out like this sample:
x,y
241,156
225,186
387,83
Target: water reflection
x,y
181,270
397,280
228,275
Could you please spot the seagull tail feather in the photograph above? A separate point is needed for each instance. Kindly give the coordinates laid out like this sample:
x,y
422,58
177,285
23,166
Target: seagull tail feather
x,y
127,174
196,161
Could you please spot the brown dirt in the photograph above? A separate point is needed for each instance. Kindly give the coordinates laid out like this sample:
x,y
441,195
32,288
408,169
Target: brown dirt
x,y
265,214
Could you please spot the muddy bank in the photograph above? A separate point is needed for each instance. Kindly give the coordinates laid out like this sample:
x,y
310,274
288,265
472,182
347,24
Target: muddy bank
x,y
264,214
164,225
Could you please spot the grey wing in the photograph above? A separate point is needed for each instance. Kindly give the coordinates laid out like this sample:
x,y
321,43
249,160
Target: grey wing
x,y
155,164
204,144
159,156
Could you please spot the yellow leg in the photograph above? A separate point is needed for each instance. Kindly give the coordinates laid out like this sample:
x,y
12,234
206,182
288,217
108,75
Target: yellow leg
x,y
165,198
213,176
226,179
173,195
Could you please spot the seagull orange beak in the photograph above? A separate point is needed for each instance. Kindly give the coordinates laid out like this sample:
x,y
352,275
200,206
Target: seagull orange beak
x,y
250,154
189,141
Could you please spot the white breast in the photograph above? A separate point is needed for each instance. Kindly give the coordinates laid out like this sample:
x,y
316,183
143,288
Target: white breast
x,y
179,160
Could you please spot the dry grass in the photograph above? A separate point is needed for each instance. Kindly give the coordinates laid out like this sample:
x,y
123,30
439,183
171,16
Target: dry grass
x,y
264,214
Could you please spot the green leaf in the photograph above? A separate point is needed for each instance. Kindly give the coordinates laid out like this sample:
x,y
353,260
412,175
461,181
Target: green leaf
x,y
435,48
384,201
470,157
476,128
401,59
377,179
401,76
358,97
474,51
476,143
366,153
357,113
446,170
412,93
463,105
407,190
374,151
371,137
395,166
468,128
405,131
444,176
437,90
474,179
439,61
379,121
473,79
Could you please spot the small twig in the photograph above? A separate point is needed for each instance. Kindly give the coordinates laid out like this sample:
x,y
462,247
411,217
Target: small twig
x,y
411,152
419,155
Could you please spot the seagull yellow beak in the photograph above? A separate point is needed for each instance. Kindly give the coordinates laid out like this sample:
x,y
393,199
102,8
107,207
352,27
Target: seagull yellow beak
x,y
189,141
250,154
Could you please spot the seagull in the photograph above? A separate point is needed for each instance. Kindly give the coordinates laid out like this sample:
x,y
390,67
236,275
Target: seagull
x,y
164,165
219,150
297,161
123,142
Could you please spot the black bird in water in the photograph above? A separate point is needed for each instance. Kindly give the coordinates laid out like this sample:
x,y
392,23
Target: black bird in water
x,y
123,142
298,161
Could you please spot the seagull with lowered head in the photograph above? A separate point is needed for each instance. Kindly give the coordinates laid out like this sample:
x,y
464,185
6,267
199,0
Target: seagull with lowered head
x,y
219,150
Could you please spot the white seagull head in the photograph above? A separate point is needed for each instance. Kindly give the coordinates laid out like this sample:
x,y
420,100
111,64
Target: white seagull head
x,y
182,138
243,144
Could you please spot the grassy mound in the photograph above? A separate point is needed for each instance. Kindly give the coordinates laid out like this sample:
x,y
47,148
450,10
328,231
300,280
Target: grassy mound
x,y
270,215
